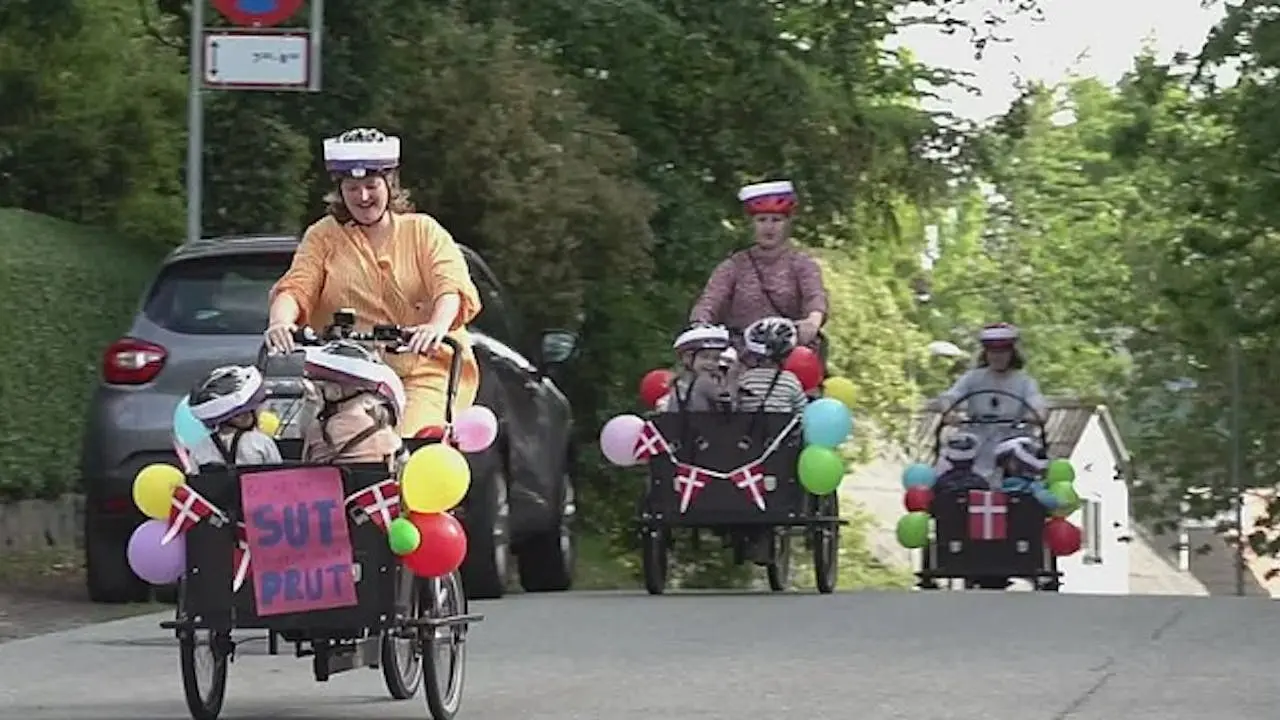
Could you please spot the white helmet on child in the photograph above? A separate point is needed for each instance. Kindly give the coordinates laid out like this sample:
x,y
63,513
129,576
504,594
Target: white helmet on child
x,y
961,448
226,392
1025,449
351,364
771,337
702,337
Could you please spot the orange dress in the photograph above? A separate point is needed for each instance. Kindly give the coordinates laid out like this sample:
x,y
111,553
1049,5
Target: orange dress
x,y
335,268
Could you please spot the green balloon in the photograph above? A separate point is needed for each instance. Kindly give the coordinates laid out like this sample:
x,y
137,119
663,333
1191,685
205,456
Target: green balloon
x,y
913,530
821,469
1068,500
403,536
1059,471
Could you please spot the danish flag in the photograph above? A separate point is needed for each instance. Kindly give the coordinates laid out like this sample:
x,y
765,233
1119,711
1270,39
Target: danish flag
x,y
187,510
184,457
380,502
240,558
751,478
988,515
650,443
689,480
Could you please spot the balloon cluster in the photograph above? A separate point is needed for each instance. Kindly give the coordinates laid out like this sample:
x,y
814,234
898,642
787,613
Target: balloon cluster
x,y
427,537
827,423
1056,493
150,558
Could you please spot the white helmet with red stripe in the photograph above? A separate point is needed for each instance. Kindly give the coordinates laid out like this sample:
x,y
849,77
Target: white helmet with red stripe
x,y
998,335
352,365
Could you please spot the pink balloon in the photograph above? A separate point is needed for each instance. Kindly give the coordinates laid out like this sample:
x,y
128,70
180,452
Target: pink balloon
x,y
155,563
618,439
475,429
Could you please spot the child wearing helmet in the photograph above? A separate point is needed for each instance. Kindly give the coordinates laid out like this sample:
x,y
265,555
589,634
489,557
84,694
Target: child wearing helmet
x,y
706,362
227,402
763,385
360,399
999,370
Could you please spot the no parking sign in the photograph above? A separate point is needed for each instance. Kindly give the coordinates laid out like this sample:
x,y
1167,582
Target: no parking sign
x,y
258,13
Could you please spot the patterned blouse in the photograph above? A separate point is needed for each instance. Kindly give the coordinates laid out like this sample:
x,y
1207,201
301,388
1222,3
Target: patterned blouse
x,y
735,296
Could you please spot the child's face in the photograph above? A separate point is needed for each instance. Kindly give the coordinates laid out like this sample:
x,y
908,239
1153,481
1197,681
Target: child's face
x,y
244,421
706,361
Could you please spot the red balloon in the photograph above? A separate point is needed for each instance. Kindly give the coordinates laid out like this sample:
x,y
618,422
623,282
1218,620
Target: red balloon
x,y
806,365
1062,538
430,432
654,385
918,499
443,546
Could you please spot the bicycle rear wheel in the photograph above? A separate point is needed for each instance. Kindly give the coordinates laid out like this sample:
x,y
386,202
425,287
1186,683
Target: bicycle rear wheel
x,y
401,652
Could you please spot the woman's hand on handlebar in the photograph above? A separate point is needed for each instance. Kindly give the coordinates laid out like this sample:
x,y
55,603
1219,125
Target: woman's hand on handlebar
x,y
424,338
279,337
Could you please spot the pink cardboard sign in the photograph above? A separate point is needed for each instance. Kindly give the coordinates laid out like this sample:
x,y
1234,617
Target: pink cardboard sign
x,y
299,540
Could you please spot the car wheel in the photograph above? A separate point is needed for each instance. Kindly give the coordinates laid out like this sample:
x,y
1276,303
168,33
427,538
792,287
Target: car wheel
x,y
488,522
108,577
547,559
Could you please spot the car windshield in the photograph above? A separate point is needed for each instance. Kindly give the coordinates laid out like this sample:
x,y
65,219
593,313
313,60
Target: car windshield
x,y
216,296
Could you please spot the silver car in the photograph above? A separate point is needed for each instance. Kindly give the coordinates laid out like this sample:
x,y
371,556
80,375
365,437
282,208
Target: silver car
x,y
207,307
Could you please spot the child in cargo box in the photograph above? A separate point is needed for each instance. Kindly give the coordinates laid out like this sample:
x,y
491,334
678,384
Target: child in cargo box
x,y
706,363
227,402
360,399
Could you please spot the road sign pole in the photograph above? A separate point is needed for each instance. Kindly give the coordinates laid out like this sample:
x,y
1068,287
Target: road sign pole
x,y
195,124
317,39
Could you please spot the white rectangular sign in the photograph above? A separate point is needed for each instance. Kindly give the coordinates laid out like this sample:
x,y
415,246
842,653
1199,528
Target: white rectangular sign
x,y
257,60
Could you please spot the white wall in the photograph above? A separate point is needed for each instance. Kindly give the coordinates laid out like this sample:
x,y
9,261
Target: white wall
x,y
1104,569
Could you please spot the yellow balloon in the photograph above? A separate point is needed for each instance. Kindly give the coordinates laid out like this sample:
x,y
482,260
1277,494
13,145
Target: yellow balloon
x,y
435,479
840,388
269,422
153,489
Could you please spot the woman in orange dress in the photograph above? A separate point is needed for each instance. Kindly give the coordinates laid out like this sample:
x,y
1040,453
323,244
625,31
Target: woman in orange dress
x,y
374,254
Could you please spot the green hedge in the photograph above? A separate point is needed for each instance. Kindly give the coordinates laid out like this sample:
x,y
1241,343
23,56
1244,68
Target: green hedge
x,y
66,292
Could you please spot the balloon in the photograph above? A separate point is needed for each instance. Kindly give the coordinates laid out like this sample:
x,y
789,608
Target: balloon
x,y
821,469
431,432
1059,471
913,530
1046,499
618,439
827,422
268,422
435,479
839,388
153,488
475,429
806,366
186,428
155,563
1068,500
654,385
443,546
918,475
403,536
918,499
1062,538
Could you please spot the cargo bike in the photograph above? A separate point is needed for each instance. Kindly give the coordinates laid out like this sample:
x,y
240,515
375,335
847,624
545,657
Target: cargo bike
x,y
733,475
985,534
412,629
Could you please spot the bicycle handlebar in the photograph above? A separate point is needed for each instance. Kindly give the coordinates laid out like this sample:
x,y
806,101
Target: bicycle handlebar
x,y
392,339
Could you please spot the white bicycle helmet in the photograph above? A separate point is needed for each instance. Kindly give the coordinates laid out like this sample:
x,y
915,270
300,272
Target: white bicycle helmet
x,y
1025,449
961,448
771,337
225,393
360,152
355,366
702,337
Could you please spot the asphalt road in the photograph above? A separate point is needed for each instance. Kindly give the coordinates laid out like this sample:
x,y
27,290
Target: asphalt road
x,y
867,656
